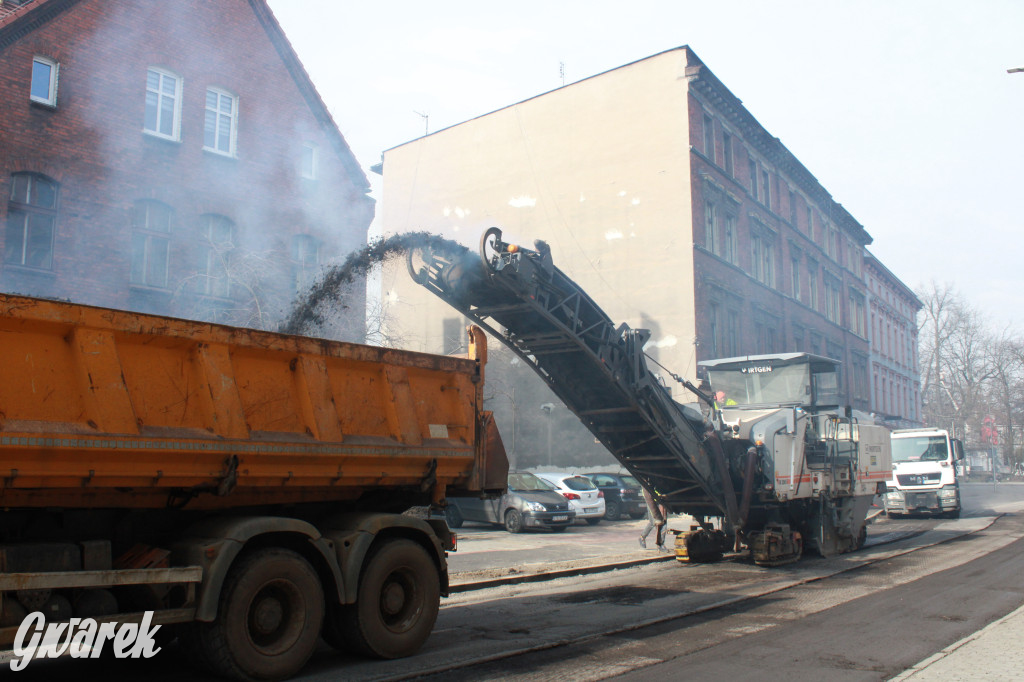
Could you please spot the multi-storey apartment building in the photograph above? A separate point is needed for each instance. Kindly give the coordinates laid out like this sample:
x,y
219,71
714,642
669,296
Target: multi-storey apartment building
x,y
663,196
895,367
170,157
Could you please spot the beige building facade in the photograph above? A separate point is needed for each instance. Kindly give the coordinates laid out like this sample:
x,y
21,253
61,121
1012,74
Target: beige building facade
x,y
664,198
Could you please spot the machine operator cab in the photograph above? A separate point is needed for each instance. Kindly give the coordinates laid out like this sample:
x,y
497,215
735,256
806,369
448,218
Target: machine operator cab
x,y
757,395
758,382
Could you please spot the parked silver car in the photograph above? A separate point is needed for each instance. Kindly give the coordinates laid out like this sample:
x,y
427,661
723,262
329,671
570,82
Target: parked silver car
x,y
529,502
584,497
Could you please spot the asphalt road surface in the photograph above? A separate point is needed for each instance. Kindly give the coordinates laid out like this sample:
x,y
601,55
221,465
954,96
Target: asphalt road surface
x,y
919,585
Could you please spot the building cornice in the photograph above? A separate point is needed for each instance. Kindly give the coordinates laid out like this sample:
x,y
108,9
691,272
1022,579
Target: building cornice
x,y
21,22
891,280
703,82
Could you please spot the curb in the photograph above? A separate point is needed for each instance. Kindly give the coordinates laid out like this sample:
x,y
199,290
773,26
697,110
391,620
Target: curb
x,y
921,666
542,575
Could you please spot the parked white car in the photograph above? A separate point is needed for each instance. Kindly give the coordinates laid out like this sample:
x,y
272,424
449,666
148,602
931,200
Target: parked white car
x,y
584,497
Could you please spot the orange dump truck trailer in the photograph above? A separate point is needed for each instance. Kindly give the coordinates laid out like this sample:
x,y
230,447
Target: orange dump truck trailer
x,y
250,489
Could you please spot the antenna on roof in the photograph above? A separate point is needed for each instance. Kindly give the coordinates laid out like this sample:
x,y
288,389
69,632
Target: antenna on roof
x,y
426,121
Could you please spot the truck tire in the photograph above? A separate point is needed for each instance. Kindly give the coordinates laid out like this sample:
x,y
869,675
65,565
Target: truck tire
x,y
269,618
613,511
513,521
396,606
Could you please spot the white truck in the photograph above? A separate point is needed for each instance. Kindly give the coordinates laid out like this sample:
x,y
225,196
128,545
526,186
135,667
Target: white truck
x,y
924,479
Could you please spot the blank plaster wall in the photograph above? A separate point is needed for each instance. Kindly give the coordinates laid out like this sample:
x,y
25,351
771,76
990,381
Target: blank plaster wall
x,y
599,169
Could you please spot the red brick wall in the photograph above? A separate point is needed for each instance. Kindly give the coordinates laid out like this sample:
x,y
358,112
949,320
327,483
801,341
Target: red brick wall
x,y
93,144
764,312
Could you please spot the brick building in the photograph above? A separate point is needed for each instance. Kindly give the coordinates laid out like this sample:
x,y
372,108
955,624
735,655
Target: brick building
x,y
663,196
895,373
168,157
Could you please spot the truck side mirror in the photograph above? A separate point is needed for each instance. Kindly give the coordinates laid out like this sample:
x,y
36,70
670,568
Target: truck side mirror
x,y
958,449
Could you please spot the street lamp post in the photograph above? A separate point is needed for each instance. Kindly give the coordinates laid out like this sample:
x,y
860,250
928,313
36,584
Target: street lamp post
x,y
547,408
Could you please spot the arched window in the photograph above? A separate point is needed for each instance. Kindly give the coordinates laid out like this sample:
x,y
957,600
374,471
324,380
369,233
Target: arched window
x,y
31,221
219,234
151,239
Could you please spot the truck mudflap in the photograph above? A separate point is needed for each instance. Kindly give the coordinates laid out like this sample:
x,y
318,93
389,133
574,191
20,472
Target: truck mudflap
x,y
215,544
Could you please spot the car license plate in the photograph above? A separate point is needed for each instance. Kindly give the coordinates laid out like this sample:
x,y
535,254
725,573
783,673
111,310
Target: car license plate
x,y
560,518
590,510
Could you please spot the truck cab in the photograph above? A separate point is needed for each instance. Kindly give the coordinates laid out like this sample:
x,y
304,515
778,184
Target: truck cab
x,y
924,478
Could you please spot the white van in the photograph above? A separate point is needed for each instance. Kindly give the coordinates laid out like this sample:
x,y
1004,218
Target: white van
x,y
924,479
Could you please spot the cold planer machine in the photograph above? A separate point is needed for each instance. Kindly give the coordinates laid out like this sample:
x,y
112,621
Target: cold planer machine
x,y
775,468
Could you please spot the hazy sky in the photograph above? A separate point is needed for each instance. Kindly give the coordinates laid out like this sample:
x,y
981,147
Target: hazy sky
x,y
902,109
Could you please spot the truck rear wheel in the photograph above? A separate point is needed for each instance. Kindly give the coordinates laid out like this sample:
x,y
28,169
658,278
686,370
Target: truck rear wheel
x,y
397,604
268,621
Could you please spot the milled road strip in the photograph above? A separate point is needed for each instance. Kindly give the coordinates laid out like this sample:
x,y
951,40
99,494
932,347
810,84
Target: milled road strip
x,y
861,559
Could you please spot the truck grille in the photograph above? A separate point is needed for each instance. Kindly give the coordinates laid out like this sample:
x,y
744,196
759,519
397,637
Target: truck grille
x,y
919,479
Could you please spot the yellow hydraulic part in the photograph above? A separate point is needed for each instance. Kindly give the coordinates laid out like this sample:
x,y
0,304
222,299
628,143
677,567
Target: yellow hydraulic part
x,y
700,546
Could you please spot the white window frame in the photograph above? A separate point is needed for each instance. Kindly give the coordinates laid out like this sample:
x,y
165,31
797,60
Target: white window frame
x,y
217,280
51,89
306,258
218,115
175,133
155,241
311,170
24,215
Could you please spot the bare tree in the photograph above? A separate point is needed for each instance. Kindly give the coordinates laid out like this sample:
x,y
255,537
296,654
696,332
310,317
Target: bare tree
x,y
237,286
1007,392
956,359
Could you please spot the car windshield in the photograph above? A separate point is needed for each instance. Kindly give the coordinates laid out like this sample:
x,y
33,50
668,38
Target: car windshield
x,y
526,483
631,482
578,483
920,449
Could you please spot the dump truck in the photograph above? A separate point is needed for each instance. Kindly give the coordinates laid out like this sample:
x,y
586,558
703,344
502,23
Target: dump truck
x,y
246,491
781,468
